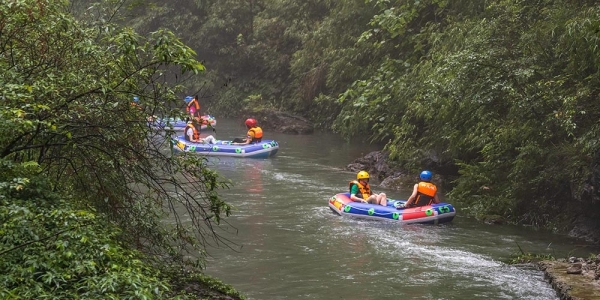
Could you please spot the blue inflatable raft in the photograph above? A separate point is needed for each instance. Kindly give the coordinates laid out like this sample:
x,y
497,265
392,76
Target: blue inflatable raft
x,y
430,214
264,149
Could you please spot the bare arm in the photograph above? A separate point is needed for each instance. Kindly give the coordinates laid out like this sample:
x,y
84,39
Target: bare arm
x,y
356,199
353,197
412,197
190,134
436,199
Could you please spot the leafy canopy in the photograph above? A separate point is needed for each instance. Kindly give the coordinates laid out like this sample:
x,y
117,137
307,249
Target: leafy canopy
x,y
83,167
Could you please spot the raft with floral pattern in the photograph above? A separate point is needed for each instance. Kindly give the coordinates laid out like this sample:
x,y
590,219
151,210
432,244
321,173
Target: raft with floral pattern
x,y
430,214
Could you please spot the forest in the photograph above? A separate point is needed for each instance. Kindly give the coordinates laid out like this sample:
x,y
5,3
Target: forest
x,y
500,97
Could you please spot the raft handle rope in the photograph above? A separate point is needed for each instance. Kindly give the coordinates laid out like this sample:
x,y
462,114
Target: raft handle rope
x,y
428,212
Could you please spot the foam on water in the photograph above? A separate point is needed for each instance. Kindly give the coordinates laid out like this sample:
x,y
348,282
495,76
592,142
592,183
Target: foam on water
x,y
428,262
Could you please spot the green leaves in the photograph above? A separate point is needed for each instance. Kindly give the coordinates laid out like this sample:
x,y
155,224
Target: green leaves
x,y
501,92
70,267
67,125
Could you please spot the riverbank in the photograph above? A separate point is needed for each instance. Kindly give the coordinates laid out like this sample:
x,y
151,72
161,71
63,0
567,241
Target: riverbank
x,y
203,287
575,279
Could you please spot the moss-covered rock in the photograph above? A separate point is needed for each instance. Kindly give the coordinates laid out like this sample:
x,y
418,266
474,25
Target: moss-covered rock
x,y
200,286
493,219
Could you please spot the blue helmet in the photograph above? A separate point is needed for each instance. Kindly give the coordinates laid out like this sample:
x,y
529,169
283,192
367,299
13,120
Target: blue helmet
x,y
188,99
425,176
136,99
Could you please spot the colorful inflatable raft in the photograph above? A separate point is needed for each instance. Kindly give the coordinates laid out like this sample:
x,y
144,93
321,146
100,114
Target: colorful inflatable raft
x,y
264,149
431,214
179,125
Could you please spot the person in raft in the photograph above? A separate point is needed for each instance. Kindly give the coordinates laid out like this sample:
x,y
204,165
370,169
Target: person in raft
x,y
193,135
193,107
424,193
360,190
136,102
254,134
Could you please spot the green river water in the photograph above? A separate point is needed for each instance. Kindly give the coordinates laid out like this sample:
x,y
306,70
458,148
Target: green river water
x,y
288,244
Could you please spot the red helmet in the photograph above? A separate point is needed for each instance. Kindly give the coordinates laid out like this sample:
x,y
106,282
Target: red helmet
x,y
250,122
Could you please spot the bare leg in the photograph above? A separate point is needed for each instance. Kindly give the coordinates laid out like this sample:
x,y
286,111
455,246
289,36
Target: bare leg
x,y
382,199
372,199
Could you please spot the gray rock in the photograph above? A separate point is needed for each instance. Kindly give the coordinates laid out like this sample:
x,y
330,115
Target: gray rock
x,y
586,229
376,163
574,270
280,121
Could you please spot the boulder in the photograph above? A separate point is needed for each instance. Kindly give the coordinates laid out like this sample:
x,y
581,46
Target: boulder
x,y
574,269
279,121
376,163
493,219
586,229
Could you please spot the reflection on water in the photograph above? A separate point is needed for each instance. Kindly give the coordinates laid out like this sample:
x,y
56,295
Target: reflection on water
x,y
291,246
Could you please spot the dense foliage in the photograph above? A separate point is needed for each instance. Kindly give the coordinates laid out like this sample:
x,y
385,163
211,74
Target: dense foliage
x,y
498,95
84,179
505,90
49,247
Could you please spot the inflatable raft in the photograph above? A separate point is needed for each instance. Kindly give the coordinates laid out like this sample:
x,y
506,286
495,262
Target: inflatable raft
x,y
208,121
430,214
264,149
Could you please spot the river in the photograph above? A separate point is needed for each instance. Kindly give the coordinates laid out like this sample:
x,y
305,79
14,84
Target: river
x,y
290,245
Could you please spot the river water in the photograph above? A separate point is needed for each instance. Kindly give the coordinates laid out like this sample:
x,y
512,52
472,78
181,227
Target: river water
x,y
290,245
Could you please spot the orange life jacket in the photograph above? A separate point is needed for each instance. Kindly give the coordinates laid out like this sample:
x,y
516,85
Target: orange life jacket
x,y
425,193
196,133
195,103
256,134
365,190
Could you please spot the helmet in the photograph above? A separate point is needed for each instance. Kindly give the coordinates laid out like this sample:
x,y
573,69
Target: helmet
x,y
250,122
362,175
136,99
425,176
188,99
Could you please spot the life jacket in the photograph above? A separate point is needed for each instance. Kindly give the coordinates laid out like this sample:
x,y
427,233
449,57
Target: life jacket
x,y
365,190
256,133
196,133
425,193
195,103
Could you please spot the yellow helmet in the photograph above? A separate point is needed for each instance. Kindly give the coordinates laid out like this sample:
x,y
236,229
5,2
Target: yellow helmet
x,y
362,175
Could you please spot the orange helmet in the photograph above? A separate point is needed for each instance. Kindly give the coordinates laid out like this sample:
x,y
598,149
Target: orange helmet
x,y
250,122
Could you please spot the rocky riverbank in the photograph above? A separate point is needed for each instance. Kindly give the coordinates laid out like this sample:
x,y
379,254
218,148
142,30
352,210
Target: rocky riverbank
x,y
575,278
